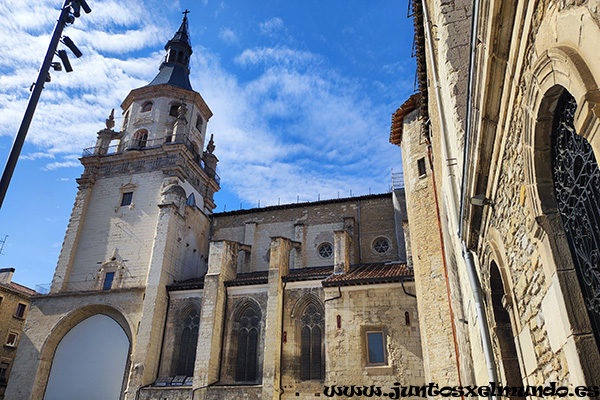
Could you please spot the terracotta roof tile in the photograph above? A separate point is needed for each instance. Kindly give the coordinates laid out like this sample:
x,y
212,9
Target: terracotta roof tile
x,y
308,273
371,273
22,289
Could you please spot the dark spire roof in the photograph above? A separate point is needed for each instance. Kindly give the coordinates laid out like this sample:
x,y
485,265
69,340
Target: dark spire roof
x,y
174,69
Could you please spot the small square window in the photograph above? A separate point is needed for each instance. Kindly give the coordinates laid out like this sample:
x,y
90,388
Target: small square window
x,y
376,352
126,199
20,313
421,167
12,340
108,280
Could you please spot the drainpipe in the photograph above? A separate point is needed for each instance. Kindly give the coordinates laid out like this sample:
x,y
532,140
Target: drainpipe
x,y
481,316
474,281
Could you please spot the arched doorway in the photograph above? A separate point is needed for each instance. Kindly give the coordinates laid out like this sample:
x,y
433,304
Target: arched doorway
x,y
503,330
89,362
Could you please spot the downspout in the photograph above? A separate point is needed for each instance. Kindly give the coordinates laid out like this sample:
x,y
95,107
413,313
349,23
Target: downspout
x,y
404,289
475,284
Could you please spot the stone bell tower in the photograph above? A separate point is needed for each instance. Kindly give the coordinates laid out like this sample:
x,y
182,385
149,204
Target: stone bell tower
x,y
139,223
135,176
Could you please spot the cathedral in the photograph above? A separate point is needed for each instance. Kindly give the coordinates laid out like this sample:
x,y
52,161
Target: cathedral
x,y
157,297
483,269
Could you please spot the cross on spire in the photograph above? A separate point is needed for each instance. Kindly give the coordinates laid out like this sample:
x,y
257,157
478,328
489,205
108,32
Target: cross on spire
x,y
185,13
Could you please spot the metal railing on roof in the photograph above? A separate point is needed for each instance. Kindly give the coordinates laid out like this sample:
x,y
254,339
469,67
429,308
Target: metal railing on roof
x,y
146,144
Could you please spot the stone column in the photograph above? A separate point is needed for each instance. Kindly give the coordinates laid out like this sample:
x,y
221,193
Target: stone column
x,y
222,263
341,252
278,267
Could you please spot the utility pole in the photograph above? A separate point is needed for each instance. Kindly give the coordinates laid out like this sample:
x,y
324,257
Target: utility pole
x,y
70,11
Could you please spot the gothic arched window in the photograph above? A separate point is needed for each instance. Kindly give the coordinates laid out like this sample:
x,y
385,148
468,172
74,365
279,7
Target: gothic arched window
x,y
576,180
246,365
191,200
311,343
188,343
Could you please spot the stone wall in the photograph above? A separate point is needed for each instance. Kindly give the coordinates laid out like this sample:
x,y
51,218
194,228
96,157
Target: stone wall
x,y
311,225
372,307
10,323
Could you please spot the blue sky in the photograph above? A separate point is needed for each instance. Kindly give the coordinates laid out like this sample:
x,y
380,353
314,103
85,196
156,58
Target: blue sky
x,y
302,94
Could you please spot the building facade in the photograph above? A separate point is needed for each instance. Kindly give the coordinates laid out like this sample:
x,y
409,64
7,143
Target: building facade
x,y
156,297
505,133
14,305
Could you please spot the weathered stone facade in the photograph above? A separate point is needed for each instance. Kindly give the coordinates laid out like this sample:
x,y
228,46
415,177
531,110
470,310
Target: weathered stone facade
x,y
14,307
271,303
501,211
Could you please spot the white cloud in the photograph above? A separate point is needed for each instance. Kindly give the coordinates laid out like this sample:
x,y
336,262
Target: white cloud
x,y
228,36
271,26
294,130
276,55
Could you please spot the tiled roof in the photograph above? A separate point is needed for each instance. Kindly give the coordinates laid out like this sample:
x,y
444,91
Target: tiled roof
x,y
307,274
371,273
409,105
20,288
358,275
249,278
189,284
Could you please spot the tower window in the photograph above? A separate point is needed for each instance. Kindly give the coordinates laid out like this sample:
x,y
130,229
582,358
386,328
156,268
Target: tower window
x,y
199,123
191,200
20,313
173,111
421,167
126,199
108,280
147,106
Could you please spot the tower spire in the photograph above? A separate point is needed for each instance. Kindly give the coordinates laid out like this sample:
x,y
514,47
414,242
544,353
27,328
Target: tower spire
x,y
174,69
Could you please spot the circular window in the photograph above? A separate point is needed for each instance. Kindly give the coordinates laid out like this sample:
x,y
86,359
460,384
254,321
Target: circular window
x,y
381,245
325,250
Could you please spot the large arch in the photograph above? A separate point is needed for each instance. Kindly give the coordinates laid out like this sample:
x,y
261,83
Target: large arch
x,y
62,328
558,70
